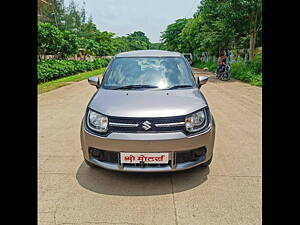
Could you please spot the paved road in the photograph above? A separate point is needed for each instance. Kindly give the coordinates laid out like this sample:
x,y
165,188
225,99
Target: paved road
x,y
228,192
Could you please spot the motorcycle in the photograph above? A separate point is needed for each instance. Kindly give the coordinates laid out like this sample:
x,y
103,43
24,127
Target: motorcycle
x,y
223,72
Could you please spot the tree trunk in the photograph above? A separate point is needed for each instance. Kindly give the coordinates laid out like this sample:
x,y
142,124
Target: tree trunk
x,y
253,31
252,46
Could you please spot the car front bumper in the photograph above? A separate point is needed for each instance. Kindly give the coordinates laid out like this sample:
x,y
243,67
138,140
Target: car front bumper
x,y
149,142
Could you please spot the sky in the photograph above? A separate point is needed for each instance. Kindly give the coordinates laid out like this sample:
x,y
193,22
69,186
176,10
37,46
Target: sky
x,y
126,16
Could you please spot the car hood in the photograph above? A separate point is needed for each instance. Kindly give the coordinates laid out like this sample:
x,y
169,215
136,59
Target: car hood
x,y
147,103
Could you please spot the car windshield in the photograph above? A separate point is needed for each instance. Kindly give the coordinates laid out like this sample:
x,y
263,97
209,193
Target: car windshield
x,y
148,72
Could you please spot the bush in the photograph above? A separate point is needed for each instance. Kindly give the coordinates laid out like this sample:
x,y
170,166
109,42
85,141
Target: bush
x,y
250,72
256,65
55,69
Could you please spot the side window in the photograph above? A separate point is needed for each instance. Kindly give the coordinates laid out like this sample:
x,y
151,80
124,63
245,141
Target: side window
x,y
184,73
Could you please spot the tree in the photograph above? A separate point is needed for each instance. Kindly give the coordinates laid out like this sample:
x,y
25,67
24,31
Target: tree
x,y
76,32
53,13
103,36
72,18
106,44
240,20
251,10
218,32
190,36
50,39
171,36
98,47
106,49
121,44
69,45
68,18
90,46
88,30
157,46
138,41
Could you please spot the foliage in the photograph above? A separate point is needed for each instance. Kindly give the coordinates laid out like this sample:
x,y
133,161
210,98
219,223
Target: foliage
x,y
69,45
190,36
70,22
157,46
54,69
53,13
76,32
250,72
121,44
138,41
105,43
88,30
90,46
217,25
243,71
256,65
65,18
72,19
50,39
171,36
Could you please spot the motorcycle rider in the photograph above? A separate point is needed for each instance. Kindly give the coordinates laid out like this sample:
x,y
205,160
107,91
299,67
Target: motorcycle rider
x,y
222,61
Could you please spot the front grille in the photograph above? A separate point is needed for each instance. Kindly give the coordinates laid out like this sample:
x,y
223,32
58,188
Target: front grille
x,y
180,157
155,124
159,124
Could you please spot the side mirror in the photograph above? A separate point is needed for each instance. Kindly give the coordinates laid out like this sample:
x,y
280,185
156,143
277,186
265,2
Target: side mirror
x,y
94,81
201,80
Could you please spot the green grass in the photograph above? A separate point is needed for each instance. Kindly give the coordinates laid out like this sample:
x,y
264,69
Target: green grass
x,y
245,72
51,85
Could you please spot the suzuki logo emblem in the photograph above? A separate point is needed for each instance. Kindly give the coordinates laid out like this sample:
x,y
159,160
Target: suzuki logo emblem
x,y
146,125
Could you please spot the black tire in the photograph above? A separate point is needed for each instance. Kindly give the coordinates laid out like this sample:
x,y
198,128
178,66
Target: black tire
x,y
206,164
90,164
224,77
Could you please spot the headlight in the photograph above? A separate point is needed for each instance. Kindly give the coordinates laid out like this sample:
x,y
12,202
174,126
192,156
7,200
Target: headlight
x,y
195,121
97,122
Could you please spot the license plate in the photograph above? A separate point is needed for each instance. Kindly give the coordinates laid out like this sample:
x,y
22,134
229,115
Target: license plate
x,y
151,158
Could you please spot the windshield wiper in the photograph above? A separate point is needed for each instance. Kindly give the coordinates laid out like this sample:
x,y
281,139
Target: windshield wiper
x,y
178,86
135,86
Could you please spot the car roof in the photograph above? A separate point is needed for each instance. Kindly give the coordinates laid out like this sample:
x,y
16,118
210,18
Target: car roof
x,y
148,53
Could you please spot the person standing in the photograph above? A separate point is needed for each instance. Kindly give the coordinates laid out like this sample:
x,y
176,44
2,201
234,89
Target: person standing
x,y
229,57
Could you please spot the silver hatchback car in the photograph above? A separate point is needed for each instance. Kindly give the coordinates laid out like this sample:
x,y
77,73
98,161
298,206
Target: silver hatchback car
x,y
148,115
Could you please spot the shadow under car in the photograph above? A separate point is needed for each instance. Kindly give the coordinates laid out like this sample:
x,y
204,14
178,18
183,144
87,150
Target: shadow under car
x,y
109,182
